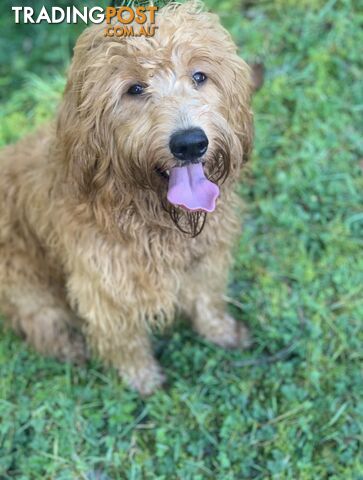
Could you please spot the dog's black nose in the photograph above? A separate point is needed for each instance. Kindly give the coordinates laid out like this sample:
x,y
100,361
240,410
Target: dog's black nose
x,y
188,144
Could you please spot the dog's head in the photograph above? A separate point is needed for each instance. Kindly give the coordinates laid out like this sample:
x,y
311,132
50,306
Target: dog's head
x,y
160,121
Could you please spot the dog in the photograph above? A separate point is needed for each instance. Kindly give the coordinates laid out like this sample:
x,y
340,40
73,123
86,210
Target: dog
x,y
123,211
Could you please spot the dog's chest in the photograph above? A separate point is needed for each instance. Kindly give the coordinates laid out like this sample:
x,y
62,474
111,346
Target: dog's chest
x,y
155,263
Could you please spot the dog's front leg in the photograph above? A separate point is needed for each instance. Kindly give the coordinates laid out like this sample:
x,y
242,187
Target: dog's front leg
x,y
117,333
202,300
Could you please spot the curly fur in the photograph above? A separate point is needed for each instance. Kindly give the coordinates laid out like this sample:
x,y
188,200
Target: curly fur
x,y
88,242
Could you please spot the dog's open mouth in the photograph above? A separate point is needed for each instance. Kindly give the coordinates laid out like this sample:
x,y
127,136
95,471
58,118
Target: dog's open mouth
x,y
190,189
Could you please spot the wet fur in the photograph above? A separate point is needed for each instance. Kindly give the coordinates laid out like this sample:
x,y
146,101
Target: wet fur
x,y
88,242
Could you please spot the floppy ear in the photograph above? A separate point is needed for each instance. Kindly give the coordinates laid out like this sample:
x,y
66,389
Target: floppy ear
x,y
237,85
79,153
80,132
87,160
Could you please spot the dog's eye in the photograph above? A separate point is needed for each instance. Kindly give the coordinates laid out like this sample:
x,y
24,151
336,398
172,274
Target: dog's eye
x,y
136,89
199,77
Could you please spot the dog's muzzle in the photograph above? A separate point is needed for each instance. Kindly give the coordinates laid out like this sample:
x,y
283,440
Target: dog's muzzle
x,y
189,188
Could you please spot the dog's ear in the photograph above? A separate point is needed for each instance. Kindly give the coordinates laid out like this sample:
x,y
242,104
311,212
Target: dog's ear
x,y
238,88
234,81
79,142
79,130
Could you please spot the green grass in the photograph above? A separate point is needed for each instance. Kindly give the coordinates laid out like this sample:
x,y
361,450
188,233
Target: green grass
x,y
291,408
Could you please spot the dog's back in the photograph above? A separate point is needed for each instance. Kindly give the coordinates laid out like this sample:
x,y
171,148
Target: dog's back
x,y
26,181
21,165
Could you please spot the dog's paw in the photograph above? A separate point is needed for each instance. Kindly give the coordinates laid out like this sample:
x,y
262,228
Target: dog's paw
x,y
145,380
228,333
75,350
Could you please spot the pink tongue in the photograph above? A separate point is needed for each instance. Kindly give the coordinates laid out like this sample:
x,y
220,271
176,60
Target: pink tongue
x,y
189,188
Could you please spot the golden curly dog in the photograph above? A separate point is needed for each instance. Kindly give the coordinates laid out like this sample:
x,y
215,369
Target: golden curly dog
x,y
106,223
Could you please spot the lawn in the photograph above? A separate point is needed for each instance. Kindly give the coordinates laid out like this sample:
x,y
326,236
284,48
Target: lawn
x,y
292,406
